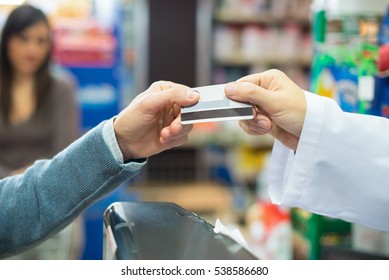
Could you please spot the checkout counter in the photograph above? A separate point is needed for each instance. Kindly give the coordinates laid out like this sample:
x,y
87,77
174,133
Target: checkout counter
x,y
164,231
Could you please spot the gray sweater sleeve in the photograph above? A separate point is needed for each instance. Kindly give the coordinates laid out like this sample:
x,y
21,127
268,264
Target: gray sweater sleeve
x,y
51,193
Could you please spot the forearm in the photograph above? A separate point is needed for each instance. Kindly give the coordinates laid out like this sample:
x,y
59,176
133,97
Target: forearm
x,y
51,193
340,167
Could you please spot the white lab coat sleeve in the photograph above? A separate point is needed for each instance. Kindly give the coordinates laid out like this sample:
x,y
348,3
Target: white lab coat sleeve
x,y
340,168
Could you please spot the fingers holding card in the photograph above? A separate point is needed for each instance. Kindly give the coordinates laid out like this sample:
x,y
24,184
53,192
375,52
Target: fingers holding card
x,y
215,106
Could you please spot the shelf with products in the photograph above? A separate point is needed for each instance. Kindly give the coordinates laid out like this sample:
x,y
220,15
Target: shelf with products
x,y
239,59
345,67
226,134
314,232
223,17
263,10
254,36
349,61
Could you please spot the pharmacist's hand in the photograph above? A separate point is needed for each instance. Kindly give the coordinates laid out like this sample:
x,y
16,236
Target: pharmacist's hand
x,y
280,105
152,122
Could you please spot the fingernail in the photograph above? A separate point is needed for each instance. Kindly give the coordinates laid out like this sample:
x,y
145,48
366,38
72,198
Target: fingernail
x,y
231,88
191,94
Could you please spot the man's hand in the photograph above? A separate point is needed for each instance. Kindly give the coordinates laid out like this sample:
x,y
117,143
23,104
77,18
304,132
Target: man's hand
x,y
152,122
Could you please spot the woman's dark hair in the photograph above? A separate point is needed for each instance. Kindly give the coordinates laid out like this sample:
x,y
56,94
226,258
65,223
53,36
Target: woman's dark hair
x,y
19,19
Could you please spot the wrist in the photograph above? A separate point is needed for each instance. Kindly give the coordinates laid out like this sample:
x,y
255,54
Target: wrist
x,y
121,142
123,148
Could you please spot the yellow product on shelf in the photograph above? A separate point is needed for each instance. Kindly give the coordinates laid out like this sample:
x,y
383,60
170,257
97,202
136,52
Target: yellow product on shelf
x,y
74,8
250,160
326,84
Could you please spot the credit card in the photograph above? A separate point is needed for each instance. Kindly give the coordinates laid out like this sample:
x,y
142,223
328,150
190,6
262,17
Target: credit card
x,y
214,106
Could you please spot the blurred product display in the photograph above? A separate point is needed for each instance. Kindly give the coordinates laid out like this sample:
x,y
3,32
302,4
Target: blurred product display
x,y
113,50
346,46
251,36
349,63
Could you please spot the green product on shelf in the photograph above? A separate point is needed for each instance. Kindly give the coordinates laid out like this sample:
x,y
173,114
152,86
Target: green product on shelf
x,y
321,61
336,73
319,26
367,57
319,231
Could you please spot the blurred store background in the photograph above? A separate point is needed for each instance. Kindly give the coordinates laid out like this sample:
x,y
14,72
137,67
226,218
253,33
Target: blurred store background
x,y
113,50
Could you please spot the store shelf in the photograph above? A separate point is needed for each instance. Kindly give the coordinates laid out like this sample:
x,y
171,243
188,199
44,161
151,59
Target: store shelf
x,y
252,37
224,136
260,19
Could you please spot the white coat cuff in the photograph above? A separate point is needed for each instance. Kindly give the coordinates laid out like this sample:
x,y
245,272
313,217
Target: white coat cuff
x,y
288,170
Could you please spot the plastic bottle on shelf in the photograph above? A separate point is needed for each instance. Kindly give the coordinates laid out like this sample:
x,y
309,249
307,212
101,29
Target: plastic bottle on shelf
x,y
367,69
253,43
318,20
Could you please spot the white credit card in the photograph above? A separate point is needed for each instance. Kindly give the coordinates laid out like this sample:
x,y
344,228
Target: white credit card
x,y
215,106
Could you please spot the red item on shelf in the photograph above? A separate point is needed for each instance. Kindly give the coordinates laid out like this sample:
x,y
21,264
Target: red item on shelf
x,y
383,58
83,43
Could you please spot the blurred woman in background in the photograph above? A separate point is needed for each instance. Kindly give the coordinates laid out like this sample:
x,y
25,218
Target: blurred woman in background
x,y
38,113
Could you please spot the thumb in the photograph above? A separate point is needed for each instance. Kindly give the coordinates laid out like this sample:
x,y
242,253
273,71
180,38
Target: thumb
x,y
179,95
249,92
